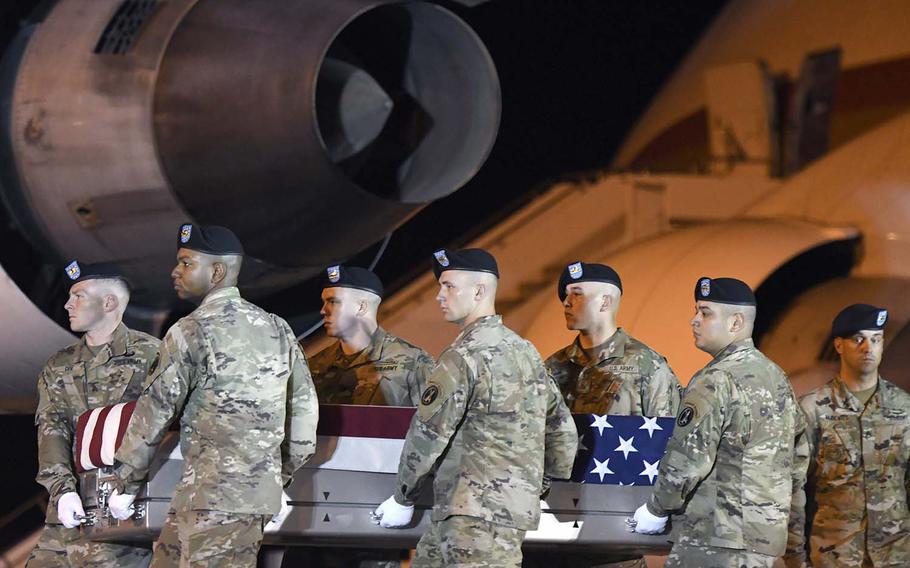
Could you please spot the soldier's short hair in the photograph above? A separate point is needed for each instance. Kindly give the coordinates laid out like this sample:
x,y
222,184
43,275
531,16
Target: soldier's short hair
x,y
114,286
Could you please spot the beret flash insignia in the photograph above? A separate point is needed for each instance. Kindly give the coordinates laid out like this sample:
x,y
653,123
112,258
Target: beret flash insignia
x,y
186,231
73,271
576,271
882,318
441,257
705,287
333,273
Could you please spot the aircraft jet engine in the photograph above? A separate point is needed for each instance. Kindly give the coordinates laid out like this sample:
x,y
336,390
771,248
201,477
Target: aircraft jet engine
x,y
312,128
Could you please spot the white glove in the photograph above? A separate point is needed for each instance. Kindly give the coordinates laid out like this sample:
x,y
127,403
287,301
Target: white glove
x,y
646,523
69,510
280,516
120,506
391,515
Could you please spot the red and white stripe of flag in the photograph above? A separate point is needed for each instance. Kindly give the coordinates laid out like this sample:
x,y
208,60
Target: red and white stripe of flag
x,y
98,435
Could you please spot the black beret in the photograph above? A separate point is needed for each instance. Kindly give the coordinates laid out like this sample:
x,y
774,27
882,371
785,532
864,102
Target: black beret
x,y
585,272
472,260
76,272
352,277
210,239
856,318
724,291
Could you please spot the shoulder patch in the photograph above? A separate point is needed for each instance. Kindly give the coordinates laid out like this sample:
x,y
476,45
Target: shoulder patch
x,y
430,394
442,383
686,415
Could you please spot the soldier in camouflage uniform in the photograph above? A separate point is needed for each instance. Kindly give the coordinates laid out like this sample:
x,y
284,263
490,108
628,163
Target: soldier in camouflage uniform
x,y
367,365
735,467
492,423
605,371
107,366
238,381
859,434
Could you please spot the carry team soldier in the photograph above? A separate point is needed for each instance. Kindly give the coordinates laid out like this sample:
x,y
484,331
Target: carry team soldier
x,y
492,424
107,366
859,434
735,468
237,380
605,371
367,365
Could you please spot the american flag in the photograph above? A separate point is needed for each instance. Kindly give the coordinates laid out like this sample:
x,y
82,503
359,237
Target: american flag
x,y
612,450
620,450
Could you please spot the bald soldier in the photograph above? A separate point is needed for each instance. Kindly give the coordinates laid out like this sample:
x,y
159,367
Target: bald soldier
x,y
736,463
367,365
108,365
605,371
859,434
491,423
238,382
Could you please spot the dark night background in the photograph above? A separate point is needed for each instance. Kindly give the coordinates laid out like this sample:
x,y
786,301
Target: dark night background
x,y
575,76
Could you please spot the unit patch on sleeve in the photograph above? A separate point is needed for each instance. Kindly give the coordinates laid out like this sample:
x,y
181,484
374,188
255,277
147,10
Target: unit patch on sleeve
x,y
686,415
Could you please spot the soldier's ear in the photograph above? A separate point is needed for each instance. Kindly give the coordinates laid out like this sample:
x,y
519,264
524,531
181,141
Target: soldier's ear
x,y
839,345
110,303
219,271
480,291
738,323
606,303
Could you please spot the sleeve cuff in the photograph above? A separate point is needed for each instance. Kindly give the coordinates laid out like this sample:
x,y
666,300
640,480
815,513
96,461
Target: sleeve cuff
x,y
402,500
655,509
124,475
68,485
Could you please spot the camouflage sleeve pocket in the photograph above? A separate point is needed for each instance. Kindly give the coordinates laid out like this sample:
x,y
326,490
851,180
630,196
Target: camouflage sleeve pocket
x,y
159,365
507,386
441,385
693,409
44,401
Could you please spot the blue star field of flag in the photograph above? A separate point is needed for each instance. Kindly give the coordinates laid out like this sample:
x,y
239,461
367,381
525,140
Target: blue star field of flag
x,y
620,450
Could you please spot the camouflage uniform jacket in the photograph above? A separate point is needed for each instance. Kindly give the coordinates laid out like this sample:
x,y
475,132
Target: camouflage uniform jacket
x,y
625,377
737,460
390,371
239,382
859,479
494,423
73,381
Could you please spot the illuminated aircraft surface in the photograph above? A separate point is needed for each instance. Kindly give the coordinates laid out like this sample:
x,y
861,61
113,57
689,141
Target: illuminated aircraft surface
x,y
778,152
